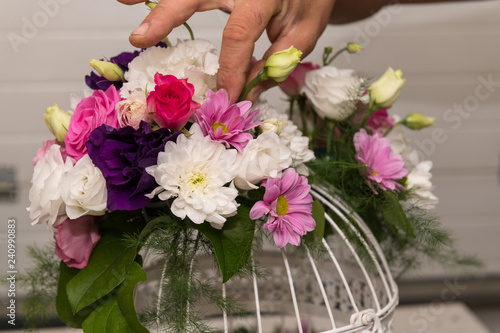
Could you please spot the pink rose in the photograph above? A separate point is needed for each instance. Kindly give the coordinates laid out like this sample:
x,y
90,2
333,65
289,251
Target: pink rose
x,y
292,85
91,113
40,153
75,240
171,103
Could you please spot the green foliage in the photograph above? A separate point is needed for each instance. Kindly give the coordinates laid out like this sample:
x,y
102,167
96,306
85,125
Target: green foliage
x,y
40,282
117,314
107,268
180,286
233,243
62,303
99,297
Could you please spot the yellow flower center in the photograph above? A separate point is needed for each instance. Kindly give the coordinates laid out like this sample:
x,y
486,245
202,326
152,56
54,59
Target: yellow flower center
x,y
197,179
216,125
374,173
282,206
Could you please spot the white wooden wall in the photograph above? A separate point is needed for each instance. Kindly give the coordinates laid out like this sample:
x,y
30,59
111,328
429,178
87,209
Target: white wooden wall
x,y
446,52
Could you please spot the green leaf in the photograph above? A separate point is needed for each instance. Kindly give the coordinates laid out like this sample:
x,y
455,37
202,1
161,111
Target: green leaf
x,y
394,214
318,213
125,297
233,243
107,268
62,303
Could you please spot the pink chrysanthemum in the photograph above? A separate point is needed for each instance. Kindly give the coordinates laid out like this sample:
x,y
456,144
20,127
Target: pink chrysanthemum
x,y
225,122
288,203
383,167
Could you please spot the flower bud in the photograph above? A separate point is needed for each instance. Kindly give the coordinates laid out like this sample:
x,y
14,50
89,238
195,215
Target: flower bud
x,y
108,70
385,91
416,121
353,47
57,121
151,4
280,64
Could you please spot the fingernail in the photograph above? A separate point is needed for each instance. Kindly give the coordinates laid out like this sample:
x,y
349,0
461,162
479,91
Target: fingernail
x,y
141,30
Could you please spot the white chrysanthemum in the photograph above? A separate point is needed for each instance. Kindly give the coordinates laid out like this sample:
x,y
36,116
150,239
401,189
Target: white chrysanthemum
x,y
46,203
195,171
419,180
262,157
333,92
84,190
289,135
192,59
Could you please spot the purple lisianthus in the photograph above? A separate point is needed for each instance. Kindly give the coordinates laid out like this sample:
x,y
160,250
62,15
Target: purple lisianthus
x,y
95,81
123,155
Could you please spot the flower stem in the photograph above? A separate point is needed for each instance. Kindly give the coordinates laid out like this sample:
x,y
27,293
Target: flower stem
x,y
160,294
329,142
191,34
390,129
290,110
303,115
327,62
250,85
371,110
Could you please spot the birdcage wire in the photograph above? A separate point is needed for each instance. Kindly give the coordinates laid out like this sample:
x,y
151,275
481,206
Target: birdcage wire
x,y
352,293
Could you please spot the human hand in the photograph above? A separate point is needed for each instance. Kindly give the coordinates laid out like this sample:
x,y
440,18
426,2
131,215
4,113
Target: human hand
x,y
288,22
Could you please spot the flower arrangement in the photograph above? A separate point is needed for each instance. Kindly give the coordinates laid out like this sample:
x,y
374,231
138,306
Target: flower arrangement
x,y
155,158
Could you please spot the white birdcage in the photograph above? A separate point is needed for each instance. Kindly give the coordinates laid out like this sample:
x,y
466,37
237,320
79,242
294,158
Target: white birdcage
x,y
348,289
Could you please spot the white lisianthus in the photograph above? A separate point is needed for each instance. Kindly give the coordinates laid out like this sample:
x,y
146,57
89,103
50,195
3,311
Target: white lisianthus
x,y
280,64
195,172
47,205
333,92
84,190
192,59
289,135
262,157
385,91
419,180
401,145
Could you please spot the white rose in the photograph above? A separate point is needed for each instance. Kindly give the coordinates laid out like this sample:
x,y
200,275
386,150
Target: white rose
x,y
192,59
84,190
263,157
46,203
419,180
332,91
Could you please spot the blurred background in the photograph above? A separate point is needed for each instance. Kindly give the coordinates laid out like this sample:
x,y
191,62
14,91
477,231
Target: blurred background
x,y
449,54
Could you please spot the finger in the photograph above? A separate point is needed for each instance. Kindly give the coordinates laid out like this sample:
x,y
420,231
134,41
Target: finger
x,y
130,2
301,27
246,24
166,16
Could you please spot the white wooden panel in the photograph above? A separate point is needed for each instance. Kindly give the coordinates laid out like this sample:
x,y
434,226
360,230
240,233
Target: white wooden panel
x,y
468,197
442,49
